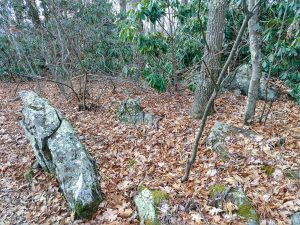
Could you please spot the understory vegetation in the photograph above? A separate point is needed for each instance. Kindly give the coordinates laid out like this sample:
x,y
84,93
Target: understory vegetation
x,y
70,39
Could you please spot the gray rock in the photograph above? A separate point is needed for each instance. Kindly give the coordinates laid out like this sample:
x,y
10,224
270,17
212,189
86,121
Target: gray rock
x,y
292,174
295,219
146,202
59,151
130,112
241,80
222,134
221,193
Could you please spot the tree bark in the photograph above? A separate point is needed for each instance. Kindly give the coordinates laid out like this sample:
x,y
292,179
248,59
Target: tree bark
x,y
256,61
210,67
18,9
122,7
33,13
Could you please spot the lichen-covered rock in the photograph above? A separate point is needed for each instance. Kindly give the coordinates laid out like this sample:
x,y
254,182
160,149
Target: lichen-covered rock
x,y
39,122
146,202
295,219
244,206
292,174
221,193
222,134
130,112
241,80
59,151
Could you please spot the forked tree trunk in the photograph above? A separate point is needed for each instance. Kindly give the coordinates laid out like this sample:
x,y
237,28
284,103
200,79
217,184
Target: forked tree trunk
x,y
210,66
256,61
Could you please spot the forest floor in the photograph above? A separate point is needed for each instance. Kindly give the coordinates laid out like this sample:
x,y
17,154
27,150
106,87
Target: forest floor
x,y
131,156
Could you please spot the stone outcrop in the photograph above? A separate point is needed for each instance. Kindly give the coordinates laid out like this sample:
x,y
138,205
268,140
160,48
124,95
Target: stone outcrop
x,y
130,112
220,193
147,201
240,80
59,152
222,134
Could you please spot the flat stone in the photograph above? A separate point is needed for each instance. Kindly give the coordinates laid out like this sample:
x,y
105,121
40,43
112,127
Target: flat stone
x,y
222,135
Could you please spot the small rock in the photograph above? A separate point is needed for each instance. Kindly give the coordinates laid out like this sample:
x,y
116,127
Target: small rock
x,y
130,112
221,193
146,202
295,219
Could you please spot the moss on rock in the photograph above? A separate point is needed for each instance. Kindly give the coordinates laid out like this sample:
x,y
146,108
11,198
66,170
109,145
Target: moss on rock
x,y
220,192
269,170
146,202
244,206
247,211
86,211
28,175
217,190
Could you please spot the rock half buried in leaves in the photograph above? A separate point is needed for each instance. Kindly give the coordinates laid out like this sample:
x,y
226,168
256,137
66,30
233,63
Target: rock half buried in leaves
x,y
147,202
222,134
130,112
59,152
221,194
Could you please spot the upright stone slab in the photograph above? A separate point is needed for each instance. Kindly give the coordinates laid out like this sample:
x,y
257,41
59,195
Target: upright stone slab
x,y
130,112
59,151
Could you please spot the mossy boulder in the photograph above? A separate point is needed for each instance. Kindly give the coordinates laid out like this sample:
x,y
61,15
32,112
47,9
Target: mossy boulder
x,y
221,193
146,202
245,208
222,134
59,151
130,112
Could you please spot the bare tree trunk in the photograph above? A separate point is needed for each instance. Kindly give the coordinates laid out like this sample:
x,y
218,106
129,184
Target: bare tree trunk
x,y
210,67
256,61
33,13
46,12
184,2
18,6
122,7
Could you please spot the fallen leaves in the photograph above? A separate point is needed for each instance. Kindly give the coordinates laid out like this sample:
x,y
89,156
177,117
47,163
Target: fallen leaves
x,y
131,156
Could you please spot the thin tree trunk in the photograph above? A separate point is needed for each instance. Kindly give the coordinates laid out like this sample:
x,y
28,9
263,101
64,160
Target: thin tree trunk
x,y
19,12
256,61
33,13
122,7
210,67
219,82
